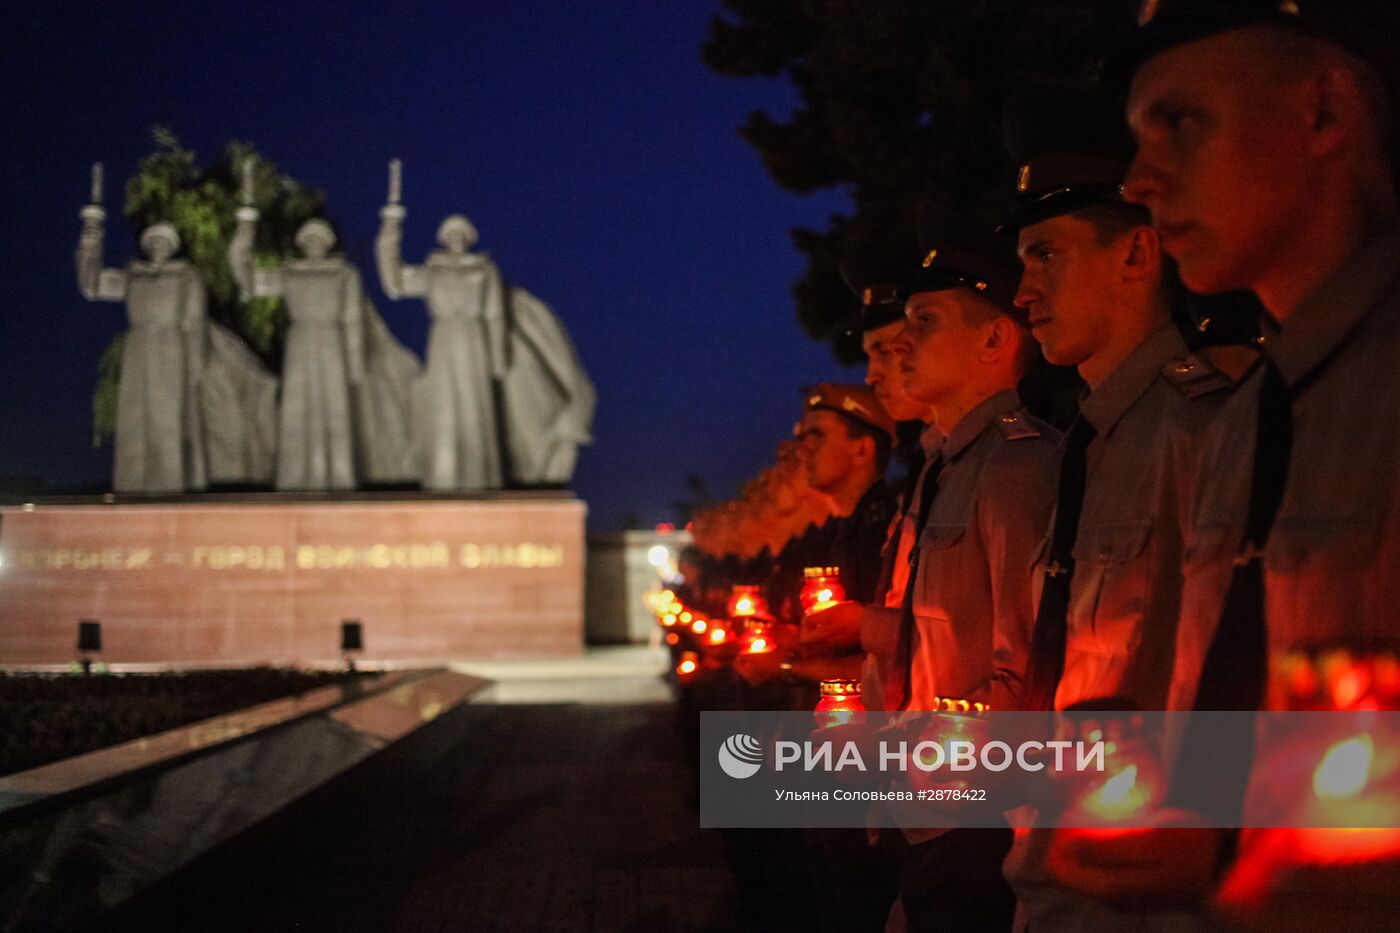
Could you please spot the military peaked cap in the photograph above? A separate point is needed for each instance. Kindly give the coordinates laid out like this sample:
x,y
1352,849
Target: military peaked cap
x,y
1070,146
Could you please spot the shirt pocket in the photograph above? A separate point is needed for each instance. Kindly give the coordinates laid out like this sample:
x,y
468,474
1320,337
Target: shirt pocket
x,y
941,569
1111,585
1326,545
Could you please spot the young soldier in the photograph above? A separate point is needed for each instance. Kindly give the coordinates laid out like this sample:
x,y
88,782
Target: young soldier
x,y
964,627
1099,291
1265,134
881,288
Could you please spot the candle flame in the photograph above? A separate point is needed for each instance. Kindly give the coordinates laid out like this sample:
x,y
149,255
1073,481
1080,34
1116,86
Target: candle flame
x,y
1344,768
758,645
718,635
743,607
699,627
686,667
1116,789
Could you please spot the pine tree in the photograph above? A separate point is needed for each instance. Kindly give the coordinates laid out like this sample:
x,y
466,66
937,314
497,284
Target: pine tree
x,y
899,102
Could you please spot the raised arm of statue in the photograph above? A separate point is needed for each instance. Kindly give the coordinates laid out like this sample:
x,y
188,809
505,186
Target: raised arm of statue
x,y
353,323
396,278
95,282
253,282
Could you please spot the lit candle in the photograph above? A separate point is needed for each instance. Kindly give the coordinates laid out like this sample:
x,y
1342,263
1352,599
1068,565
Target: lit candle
x,y
839,704
821,589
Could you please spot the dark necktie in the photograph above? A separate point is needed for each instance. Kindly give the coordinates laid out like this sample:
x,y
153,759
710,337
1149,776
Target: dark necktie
x,y
906,507
1217,753
904,657
1235,668
1047,660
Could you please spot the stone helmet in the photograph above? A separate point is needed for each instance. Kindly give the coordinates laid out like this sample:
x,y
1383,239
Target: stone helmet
x,y
315,229
160,231
457,224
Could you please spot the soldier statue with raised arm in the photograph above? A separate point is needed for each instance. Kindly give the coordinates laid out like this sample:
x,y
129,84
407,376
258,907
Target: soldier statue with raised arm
x,y
158,438
455,423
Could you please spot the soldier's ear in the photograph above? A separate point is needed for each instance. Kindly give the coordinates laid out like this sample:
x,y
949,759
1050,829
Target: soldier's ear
x,y
999,334
1142,258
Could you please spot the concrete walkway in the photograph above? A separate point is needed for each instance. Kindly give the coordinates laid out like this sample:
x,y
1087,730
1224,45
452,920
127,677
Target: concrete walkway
x,y
560,800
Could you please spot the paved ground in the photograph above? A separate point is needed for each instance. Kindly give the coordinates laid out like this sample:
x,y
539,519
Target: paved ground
x,y
559,801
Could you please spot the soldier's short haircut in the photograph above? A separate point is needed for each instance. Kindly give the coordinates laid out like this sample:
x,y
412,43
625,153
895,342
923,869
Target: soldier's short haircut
x,y
856,429
1113,219
977,310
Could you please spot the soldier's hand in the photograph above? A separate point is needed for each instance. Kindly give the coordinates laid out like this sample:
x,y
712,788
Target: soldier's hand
x,y
837,628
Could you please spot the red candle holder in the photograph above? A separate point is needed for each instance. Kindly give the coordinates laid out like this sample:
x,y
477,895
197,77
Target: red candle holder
x,y
821,589
1331,777
745,602
840,703
1131,785
688,666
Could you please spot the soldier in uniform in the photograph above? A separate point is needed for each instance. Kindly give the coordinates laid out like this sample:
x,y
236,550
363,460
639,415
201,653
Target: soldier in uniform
x,y
963,627
846,437
881,288
1265,154
1099,292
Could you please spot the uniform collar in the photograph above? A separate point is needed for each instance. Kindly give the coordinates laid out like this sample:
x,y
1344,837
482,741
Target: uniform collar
x,y
930,439
1333,310
1106,405
976,421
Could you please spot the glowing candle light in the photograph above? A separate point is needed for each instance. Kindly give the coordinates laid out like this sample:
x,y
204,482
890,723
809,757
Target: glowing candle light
x,y
821,589
839,704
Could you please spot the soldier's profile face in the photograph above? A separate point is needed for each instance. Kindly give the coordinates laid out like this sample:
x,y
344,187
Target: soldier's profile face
x,y
828,447
1222,159
937,347
882,372
1070,287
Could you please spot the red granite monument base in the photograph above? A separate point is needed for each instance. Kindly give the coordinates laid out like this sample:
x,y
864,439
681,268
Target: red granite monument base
x,y
269,579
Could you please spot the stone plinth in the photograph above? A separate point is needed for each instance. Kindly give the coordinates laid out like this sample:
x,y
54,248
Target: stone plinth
x,y
269,579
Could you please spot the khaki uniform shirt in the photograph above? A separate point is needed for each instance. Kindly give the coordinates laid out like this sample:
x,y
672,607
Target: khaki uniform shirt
x,y
972,603
879,660
1125,594
1149,415
1332,561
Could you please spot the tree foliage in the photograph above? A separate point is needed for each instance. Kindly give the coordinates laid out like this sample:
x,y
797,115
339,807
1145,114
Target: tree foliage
x,y
899,101
201,202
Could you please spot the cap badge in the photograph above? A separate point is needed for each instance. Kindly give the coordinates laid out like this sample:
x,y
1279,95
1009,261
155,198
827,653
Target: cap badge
x,y
867,296
851,404
1023,180
1289,8
980,286
814,400
928,260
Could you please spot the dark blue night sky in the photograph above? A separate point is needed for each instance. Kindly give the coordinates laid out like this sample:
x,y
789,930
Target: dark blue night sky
x,y
585,140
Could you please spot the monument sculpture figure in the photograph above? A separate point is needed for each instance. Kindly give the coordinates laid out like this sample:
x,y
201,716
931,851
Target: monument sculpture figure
x,y
324,353
548,398
455,426
158,435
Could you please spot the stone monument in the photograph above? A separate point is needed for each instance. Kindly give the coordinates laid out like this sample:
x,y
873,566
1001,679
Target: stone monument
x,y
324,351
548,397
455,426
193,404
